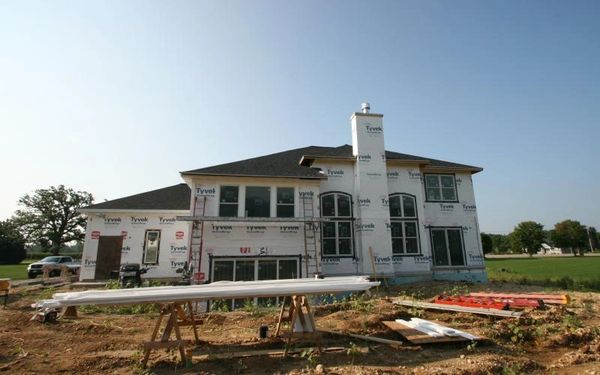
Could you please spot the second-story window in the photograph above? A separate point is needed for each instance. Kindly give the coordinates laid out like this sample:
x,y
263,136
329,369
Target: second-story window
x,y
440,188
336,234
228,201
285,202
404,224
258,201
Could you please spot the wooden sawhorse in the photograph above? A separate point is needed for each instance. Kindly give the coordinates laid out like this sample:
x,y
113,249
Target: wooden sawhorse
x,y
300,320
176,317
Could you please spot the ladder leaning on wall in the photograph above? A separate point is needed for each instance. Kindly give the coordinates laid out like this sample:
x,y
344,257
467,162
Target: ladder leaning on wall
x,y
196,241
311,231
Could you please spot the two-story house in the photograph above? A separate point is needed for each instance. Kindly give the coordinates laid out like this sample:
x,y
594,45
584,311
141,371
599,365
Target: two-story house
x,y
343,210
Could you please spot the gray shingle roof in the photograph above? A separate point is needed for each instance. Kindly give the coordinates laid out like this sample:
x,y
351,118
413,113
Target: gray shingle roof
x,y
286,163
176,197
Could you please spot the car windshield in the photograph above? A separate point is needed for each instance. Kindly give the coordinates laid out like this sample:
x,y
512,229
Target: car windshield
x,y
50,260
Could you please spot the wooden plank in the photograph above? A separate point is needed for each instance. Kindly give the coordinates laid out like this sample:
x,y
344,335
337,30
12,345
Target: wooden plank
x,y
557,299
258,353
393,343
166,344
418,337
472,310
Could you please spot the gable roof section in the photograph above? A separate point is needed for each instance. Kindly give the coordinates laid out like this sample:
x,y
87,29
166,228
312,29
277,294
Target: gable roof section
x,y
176,197
288,163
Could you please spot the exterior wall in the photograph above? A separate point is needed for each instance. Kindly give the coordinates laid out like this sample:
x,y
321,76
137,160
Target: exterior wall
x,y
462,214
248,239
407,179
173,250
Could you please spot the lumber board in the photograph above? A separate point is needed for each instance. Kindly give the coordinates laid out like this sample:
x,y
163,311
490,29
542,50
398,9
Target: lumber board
x,y
166,344
472,310
366,338
551,299
418,337
258,353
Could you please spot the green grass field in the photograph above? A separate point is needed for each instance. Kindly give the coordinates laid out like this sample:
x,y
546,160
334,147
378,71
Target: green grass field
x,y
581,273
15,271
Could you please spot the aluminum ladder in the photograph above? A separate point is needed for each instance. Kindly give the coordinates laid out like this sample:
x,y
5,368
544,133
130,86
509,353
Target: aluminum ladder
x,y
311,231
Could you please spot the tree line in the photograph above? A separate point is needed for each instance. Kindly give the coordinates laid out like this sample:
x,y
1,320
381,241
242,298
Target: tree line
x,y
528,237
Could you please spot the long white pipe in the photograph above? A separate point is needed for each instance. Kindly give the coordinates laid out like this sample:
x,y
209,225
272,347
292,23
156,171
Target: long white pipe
x,y
237,289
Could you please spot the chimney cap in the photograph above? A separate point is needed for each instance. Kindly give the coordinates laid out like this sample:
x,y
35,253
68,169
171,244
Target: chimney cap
x,y
365,107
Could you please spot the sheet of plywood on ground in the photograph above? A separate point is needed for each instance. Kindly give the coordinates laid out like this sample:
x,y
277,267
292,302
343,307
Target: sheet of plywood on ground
x,y
418,337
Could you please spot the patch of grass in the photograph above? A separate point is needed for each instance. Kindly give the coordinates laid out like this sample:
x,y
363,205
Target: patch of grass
x,y
15,271
576,273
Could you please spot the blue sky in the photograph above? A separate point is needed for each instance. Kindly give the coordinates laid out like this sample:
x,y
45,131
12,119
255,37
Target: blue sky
x,y
117,97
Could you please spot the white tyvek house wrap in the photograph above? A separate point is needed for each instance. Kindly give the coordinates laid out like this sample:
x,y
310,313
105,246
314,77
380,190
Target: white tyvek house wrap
x,y
173,250
407,180
251,239
371,192
462,214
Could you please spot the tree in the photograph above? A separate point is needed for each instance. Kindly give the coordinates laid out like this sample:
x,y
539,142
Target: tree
x,y
593,238
500,243
50,216
570,233
12,243
486,243
528,235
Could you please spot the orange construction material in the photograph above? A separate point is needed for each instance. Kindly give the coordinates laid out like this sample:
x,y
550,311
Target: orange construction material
x,y
486,303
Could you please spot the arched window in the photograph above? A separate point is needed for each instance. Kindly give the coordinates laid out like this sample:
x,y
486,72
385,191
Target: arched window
x,y
404,224
336,234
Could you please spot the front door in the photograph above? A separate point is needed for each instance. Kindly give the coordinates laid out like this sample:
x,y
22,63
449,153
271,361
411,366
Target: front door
x,y
108,258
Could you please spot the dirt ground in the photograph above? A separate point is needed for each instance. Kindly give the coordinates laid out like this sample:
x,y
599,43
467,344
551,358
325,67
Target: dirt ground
x,y
554,340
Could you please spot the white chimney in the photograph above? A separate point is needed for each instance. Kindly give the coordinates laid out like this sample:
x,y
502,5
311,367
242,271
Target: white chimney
x,y
370,184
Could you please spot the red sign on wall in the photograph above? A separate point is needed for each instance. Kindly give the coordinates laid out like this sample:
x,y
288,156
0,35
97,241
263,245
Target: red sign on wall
x,y
245,250
200,276
179,235
124,234
95,234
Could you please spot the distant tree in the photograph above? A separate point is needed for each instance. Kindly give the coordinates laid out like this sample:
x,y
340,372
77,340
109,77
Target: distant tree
x,y
50,217
528,235
12,243
486,243
593,238
571,234
500,243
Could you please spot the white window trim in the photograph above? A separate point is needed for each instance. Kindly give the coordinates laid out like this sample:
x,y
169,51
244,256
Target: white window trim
x,y
229,203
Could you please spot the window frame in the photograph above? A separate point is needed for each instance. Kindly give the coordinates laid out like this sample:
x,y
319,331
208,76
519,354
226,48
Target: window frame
x,y
256,259
403,220
277,204
462,244
439,176
236,204
269,190
144,257
336,220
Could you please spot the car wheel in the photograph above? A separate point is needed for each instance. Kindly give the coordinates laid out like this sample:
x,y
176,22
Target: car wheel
x,y
31,275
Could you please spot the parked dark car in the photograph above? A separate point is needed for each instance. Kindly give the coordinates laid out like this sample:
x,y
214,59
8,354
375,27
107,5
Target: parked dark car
x,y
35,269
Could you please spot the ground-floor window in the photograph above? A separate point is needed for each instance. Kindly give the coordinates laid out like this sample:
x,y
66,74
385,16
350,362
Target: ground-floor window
x,y
250,269
447,246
